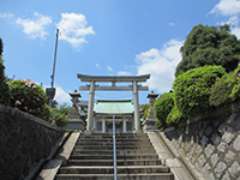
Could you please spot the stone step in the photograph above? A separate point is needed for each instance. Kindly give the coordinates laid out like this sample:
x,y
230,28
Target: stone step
x,y
117,139
109,169
109,162
110,135
109,152
135,156
92,146
155,176
111,145
110,142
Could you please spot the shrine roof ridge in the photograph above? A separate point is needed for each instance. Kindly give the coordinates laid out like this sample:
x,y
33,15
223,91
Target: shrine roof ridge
x,y
93,78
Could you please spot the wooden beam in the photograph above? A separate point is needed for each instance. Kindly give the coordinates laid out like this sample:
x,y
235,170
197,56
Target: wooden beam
x,y
114,88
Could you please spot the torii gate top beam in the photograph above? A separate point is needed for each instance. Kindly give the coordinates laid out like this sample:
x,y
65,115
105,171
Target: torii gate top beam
x,y
89,78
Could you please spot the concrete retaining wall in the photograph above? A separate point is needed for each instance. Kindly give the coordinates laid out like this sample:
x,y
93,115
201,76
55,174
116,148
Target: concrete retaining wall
x,y
212,144
25,142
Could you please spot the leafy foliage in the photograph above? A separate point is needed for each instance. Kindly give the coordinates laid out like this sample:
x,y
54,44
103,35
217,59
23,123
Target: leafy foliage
x,y
235,93
209,46
192,89
174,117
59,115
145,109
226,89
164,105
221,91
29,97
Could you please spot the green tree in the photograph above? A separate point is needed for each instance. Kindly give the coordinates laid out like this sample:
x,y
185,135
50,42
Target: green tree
x,y
174,117
164,105
29,97
59,115
192,89
210,46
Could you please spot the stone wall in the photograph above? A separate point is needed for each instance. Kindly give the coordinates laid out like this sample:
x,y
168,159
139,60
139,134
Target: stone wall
x,y
211,144
25,141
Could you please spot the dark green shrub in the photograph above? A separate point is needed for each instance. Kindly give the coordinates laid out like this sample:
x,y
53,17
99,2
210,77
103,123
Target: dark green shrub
x,y
192,89
221,91
59,115
29,97
235,93
145,109
4,90
164,105
209,46
174,117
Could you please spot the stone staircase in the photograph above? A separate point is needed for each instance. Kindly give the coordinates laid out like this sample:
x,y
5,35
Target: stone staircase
x,y
91,159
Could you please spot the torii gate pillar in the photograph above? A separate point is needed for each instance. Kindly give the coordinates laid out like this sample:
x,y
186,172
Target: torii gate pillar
x,y
91,106
136,107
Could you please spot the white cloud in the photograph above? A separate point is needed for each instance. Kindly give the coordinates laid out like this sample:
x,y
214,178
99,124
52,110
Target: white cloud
x,y
230,9
74,29
35,27
227,7
161,64
236,31
234,23
98,66
62,97
109,68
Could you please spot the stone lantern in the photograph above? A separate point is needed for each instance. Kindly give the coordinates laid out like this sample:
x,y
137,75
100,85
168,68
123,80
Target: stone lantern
x,y
75,98
75,122
150,122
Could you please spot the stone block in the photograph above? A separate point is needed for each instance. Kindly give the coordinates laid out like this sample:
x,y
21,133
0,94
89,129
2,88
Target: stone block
x,y
228,137
236,143
219,169
229,156
214,159
216,139
209,150
226,176
234,170
222,147
201,160
204,140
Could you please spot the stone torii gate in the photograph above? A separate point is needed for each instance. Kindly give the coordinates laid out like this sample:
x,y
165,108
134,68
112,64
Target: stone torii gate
x,y
93,86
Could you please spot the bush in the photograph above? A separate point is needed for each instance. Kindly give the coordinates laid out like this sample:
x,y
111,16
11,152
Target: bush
x,y
235,93
174,117
59,115
221,90
145,109
210,46
164,105
192,89
29,97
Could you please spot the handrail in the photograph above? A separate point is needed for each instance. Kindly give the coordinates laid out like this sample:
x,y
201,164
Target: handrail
x,y
114,148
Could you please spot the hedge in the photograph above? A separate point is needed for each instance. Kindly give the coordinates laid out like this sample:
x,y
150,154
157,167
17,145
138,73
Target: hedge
x,y
192,89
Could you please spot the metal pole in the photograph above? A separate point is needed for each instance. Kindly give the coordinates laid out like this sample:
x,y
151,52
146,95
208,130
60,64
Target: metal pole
x,y
55,59
114,148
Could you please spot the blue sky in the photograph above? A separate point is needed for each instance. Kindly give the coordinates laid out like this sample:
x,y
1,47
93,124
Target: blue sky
x,y
104,37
